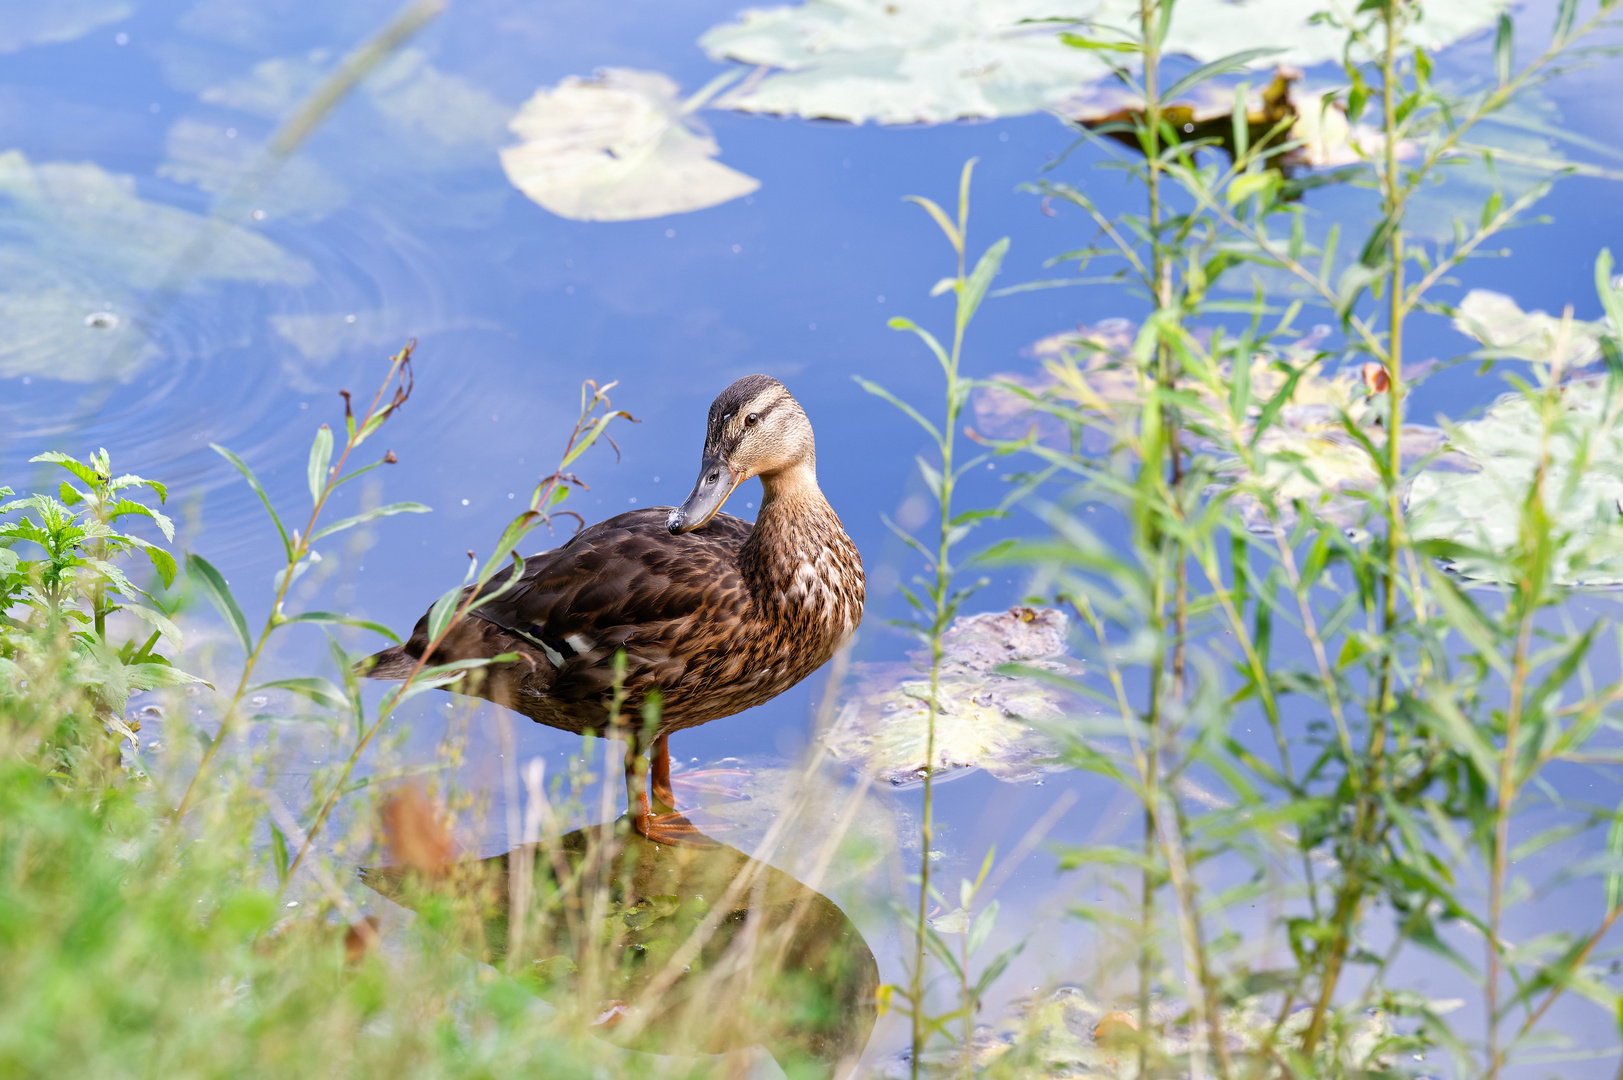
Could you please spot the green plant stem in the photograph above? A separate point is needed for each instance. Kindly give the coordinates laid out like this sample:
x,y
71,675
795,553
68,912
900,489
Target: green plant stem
x,y
388,705
940,593
299,549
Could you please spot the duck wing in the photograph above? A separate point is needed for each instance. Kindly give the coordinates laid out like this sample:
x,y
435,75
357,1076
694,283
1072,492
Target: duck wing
x,y
623,584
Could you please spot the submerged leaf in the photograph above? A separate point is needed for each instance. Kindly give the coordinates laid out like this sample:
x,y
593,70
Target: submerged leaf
x,y
983,718
618,147
83,248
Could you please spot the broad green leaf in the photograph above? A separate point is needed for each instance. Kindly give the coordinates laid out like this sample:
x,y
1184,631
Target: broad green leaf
x,y
158,622
215,588
156,676
163,562
125,507
369,515
73,465
320,459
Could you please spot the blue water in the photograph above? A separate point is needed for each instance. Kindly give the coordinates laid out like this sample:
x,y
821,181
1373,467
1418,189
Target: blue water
x,y
419,235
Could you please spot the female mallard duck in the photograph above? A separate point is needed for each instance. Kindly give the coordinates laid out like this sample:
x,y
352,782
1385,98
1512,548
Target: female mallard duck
x,y
714,614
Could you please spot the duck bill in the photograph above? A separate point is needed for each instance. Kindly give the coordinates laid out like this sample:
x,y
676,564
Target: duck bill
x,y
716,482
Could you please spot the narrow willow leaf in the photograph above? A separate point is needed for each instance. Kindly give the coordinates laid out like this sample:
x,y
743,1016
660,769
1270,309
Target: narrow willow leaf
x,y
975,287
1564,14
1610,299
369,515
439,616
941,219
880,392
279,856
1250,184
320,691
320,459
342,620
1614,848
253,482
1233,62
219,593
1504,49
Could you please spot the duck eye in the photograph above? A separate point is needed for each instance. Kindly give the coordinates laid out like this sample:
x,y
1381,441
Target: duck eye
x,y
749,421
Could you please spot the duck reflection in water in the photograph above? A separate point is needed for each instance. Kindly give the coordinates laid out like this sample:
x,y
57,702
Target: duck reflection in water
x,y
684,950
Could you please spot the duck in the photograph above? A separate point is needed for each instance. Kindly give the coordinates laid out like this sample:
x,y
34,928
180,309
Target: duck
x,y
711,613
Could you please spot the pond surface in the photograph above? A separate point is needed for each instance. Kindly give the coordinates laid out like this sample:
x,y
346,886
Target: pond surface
x,y
137,325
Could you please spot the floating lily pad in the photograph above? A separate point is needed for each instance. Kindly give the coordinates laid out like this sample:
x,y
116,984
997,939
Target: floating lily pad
x,y
617,147
1495,320
983,719
904,61
1307,454
930,61
84,249
1484,509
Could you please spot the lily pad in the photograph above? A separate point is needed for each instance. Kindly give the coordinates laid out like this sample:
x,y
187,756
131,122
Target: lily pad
x,y
931,61
617,147
1306,455
84,249
1483,509
1495,320
904,61
983,719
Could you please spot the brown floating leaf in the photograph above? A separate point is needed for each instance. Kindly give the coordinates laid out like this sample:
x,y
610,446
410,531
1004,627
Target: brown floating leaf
x,y
1115,1029
1279,113
415,831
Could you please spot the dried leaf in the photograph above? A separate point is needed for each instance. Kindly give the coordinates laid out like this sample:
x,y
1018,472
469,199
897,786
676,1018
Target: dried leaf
x,y
415,831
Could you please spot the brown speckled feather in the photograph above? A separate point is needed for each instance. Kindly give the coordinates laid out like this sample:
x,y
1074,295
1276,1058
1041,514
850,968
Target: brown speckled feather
x,y
718,620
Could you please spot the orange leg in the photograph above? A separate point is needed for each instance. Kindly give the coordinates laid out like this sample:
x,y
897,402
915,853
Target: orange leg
x,y
669,828
659,773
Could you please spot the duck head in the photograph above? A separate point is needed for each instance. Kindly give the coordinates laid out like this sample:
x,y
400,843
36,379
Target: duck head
x,y
756,428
